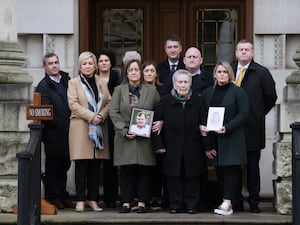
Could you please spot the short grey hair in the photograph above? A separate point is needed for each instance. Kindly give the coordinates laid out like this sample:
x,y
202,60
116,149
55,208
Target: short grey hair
x,y
179,72
129,55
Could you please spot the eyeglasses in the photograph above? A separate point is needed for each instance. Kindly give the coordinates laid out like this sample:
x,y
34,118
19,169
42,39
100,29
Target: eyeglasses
x,y
133,70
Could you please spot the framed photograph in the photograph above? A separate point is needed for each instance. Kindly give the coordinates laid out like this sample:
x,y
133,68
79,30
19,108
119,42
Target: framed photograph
x,y
215,118
141,122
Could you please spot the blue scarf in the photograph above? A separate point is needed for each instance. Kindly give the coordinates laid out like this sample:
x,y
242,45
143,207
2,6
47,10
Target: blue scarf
x,y
181,99
95,131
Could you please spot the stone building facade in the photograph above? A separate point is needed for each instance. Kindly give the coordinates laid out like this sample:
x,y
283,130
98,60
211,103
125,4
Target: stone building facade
x,y
31,27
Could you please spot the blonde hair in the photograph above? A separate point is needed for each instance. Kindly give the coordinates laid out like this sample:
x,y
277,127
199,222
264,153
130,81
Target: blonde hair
x,y
87,54
228,68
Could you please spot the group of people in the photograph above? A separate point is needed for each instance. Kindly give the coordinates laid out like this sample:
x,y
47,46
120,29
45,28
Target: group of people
x,y
93,113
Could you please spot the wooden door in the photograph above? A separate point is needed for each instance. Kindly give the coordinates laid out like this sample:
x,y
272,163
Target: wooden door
x,y
144,25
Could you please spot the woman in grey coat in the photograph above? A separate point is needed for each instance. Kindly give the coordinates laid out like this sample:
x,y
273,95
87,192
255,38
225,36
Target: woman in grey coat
x,y
228,150
132,153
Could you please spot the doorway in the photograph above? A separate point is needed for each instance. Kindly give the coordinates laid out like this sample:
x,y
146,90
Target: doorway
x,y
213,26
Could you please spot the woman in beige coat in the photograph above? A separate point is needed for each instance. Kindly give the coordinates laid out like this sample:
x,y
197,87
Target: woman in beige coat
x,y
133,153
89,101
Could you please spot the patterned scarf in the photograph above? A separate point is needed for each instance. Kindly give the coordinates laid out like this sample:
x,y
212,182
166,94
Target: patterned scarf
x,y
181,99
95,131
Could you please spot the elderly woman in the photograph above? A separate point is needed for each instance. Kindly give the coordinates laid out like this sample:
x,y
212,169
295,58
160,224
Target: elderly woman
x,y
133,153
228,151
89,101
180,142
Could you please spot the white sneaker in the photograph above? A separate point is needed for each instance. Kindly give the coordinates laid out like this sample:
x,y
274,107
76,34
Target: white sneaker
x,y
224,209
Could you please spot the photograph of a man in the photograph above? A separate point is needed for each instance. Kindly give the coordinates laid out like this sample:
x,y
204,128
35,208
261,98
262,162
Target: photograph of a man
x,y
141,124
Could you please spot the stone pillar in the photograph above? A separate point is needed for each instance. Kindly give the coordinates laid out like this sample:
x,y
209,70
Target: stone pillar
x,y
15,94
282,165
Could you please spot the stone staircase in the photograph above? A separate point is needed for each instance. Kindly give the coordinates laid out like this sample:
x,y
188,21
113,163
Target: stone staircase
x,y
112,217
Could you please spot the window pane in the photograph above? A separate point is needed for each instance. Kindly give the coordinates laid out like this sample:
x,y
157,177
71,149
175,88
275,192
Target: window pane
x,y
123,31
216,34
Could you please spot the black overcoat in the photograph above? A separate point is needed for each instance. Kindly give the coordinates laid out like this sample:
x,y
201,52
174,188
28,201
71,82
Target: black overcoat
x,y
260,88
181,136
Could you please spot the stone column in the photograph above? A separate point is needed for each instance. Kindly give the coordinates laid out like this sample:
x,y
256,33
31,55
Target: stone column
x,y
282,165
15,94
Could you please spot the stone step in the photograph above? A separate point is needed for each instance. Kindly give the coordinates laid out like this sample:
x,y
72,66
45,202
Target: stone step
x,y
112,217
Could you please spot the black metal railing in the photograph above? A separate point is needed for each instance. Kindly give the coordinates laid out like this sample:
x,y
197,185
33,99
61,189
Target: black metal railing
x,y
29,179
296,172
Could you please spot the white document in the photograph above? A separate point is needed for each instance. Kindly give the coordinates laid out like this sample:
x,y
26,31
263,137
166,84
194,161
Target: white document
x,y
215,118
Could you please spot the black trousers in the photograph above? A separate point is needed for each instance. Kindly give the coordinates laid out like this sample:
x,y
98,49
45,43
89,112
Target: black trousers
x,y
253,177
183,192
56,169
87,179
110,182
229,178
253,180
110,172
135,181
157,180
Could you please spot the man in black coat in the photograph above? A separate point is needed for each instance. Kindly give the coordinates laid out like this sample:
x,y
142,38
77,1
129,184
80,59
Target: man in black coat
x,y
259,85
202,78
174,61
53,89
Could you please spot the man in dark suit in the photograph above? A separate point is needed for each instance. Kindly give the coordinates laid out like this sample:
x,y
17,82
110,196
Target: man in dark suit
x,y
258,83
202,79
174,61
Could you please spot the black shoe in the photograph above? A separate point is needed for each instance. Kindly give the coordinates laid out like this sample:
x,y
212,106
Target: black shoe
x,y
155,205
255,209
141,209
124,209
173,211
191,211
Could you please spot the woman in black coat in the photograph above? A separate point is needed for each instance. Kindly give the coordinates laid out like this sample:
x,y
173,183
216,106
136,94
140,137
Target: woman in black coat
x,y
106,62
228,151
180,142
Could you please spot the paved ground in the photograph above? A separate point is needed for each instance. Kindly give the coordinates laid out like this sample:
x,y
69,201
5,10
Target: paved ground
x,y
111,216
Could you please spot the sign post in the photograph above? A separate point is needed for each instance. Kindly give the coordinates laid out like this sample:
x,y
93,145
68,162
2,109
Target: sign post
x,y
37,112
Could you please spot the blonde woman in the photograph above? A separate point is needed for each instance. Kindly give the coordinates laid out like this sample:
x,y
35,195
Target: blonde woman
x,y
89,101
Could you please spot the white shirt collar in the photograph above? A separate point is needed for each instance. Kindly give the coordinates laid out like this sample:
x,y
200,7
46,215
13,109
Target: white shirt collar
x,y
55,79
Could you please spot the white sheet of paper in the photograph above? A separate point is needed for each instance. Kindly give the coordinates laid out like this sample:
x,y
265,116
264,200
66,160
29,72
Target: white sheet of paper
x,y
215,118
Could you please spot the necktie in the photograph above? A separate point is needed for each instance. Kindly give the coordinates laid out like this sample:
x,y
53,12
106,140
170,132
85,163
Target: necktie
x,y
240,77
173,68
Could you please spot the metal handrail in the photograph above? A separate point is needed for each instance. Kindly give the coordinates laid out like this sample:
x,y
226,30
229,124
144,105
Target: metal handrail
x,y
29,179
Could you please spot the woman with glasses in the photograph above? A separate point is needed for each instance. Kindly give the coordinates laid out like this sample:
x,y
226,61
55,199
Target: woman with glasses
x,y
133,153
